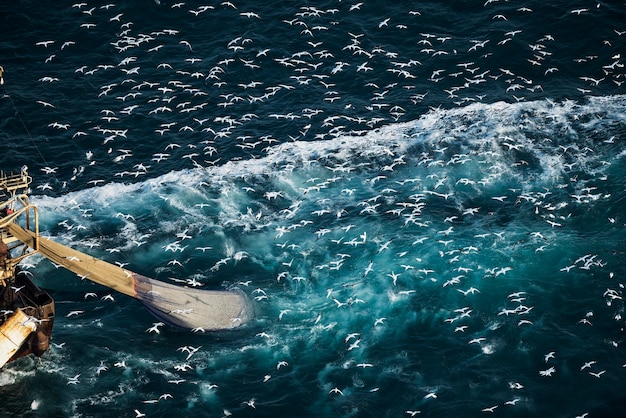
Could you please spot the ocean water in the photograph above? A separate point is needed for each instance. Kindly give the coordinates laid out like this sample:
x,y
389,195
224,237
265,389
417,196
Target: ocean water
x,y
423,201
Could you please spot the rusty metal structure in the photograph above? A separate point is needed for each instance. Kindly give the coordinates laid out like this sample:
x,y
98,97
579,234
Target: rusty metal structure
x,y
26,311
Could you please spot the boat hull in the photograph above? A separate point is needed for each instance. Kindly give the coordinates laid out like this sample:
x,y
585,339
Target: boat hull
x,y
26,318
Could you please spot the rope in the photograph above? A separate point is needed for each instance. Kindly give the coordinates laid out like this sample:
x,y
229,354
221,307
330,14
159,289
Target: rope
x,y
17,113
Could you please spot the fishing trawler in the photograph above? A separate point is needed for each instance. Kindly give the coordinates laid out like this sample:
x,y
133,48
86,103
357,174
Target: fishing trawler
x,y
27,312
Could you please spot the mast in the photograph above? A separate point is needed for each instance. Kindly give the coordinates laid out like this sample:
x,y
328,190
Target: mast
x,y
10,200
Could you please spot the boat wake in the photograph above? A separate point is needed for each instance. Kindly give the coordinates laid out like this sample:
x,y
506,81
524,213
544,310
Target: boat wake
x,y
378,265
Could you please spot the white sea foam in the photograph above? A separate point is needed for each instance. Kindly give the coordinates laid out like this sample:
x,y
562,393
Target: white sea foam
x,y
491,124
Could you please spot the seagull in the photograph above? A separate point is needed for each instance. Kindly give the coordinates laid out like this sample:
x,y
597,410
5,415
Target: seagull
x,y
176,381
354,345
101,368
394,276
182,367
282,313
189,349
73,380
578,11
250,15
471,290
45,104
368,269
155,328
45,43
587,365
547,372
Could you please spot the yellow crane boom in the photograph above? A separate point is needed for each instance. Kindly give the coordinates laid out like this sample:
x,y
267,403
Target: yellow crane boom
x,y
183,307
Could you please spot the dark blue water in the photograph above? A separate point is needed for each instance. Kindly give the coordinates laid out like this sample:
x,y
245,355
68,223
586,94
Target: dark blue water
x,y
424,202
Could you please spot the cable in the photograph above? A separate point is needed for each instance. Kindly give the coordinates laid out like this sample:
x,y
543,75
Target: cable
x,y
17,113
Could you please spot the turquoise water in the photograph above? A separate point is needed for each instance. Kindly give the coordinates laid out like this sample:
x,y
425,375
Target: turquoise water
x,y
450,258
